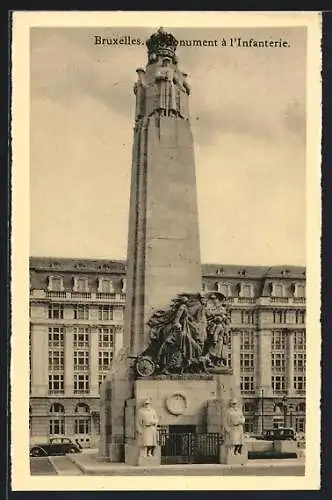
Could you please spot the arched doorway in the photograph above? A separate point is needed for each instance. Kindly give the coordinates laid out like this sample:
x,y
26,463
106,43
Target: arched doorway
x,y
82,425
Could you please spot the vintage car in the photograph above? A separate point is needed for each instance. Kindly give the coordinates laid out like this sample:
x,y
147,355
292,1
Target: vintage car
x,y
55,446
279,434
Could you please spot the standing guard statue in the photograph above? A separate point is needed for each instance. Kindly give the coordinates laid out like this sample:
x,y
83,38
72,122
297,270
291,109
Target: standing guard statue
x,y
147,421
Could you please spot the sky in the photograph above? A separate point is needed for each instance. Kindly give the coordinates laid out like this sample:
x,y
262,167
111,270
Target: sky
x,y
248,119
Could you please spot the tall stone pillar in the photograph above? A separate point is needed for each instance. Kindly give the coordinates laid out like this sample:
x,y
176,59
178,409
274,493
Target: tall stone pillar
x,y
93,360
264,346
236,344
290,363
39,351
69,362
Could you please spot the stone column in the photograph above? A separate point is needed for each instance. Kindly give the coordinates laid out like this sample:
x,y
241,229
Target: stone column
x,y
69,362
290,363
93,361
39,360
264,346
236,342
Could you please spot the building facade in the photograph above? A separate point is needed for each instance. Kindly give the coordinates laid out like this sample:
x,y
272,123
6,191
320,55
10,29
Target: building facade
x,y
76,327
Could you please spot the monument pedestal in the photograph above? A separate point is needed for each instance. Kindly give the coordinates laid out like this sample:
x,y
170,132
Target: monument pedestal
x,y
227,455
134,455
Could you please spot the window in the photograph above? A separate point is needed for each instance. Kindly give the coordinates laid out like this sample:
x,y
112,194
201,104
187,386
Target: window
x,y
249,407
299,362
82,423
300,317
105,338
101,378
278,383
278,341
300,407
279,317
278,362
81,285
55,311
246,362
247,384
57,408
57,426
277,290
81,312
299,341
249,425
229,360
82,408
55,383
81,360
55,284
81,384
247,317
105,313
299,290
223,288
55,360
300,424
299,383
105,285
104,360
247,341
81,337
246,290
55,336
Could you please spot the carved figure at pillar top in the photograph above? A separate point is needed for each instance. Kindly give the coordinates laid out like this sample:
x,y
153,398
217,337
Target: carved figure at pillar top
x,y
191,336
162,88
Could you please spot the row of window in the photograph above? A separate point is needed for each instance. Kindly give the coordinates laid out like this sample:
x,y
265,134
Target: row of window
x,y
105,313
82,311
246,290
81,360
247,383
81,284
105,285
81,336
81,383
278,382
278,362
279,341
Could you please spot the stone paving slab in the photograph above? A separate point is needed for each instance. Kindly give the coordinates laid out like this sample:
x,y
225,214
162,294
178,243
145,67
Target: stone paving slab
x,y
283,467
63,466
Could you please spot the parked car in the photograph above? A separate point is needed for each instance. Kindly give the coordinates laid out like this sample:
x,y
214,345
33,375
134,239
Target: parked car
x,y
279,434
55,446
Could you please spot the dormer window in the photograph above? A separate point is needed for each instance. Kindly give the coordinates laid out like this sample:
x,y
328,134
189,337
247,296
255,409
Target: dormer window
x,y
81,284
299,290
123,285
55,284
224,288
277,290
220,271
246,290
105,285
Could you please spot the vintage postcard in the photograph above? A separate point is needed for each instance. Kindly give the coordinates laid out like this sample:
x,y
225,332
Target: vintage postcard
x,y
166,250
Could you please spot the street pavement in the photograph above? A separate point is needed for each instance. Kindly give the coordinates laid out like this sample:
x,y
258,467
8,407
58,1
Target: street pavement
x,y
41,466
66,466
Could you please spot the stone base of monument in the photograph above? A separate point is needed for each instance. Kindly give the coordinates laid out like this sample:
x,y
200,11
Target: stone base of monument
x,y
227,455
285,447
134,455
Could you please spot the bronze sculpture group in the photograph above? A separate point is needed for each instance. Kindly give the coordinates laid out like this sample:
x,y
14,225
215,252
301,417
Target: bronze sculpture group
x,y
191,336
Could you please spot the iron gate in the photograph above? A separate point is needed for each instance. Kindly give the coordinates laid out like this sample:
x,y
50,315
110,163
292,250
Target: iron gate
x,y
186,447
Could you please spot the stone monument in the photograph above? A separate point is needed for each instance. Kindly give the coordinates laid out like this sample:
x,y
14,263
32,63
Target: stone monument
x,y
175,337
